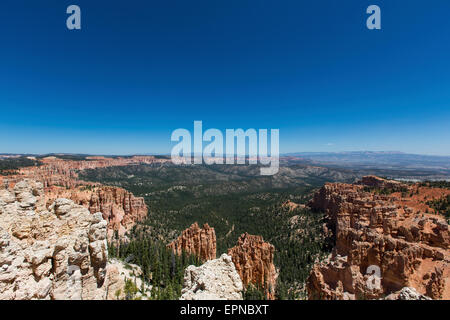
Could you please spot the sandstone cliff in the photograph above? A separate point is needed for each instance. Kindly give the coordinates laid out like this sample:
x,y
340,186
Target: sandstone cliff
x,y
214,280
59,253
377,182
198,241
62,172
59,177
120,208
253,259
381,246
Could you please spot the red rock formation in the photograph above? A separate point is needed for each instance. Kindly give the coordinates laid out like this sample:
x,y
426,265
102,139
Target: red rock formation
x,y
61,172
291,206
201,242
377,182
410,248
120,208
253,259
60,179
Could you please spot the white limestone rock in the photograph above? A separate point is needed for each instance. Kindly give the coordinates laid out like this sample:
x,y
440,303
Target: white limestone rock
x,y
214,280
407,293
59,253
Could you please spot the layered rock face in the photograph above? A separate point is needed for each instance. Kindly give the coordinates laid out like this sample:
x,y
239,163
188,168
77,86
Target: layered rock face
x,y
381,246
120,208
61,172
198,241
59,177
214,280
377,182
253,259
59,253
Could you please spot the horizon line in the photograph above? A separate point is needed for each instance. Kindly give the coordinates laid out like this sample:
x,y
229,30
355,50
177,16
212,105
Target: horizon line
x,y
285,154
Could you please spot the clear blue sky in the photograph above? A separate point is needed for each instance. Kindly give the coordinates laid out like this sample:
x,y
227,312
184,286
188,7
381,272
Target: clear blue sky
x,y
139,69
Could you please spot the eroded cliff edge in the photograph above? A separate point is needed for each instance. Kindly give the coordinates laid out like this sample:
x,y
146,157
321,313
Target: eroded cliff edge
x,y
60,179
58,252
375,230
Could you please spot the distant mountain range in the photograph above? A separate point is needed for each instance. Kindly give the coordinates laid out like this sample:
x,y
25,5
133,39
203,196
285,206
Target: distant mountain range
x,y
393,164
373,159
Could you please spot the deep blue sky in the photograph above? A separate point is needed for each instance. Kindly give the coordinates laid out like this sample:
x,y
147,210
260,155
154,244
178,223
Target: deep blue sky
x,y
139,69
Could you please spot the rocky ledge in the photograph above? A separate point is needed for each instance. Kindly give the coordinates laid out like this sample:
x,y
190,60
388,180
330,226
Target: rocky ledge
x,y
55,253
214,280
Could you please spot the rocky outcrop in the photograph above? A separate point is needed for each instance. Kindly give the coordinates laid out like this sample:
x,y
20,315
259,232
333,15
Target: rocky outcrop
x,y
253,259
381,246
291,206
120,208
198,241
55,171
214,280
118,273
377,182
407,294
54,253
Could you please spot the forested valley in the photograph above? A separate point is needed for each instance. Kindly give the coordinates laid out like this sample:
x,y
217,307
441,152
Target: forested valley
x,y
233,201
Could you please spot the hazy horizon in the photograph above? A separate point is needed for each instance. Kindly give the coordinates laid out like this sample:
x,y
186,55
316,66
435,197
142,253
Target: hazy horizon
x,y
286,154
